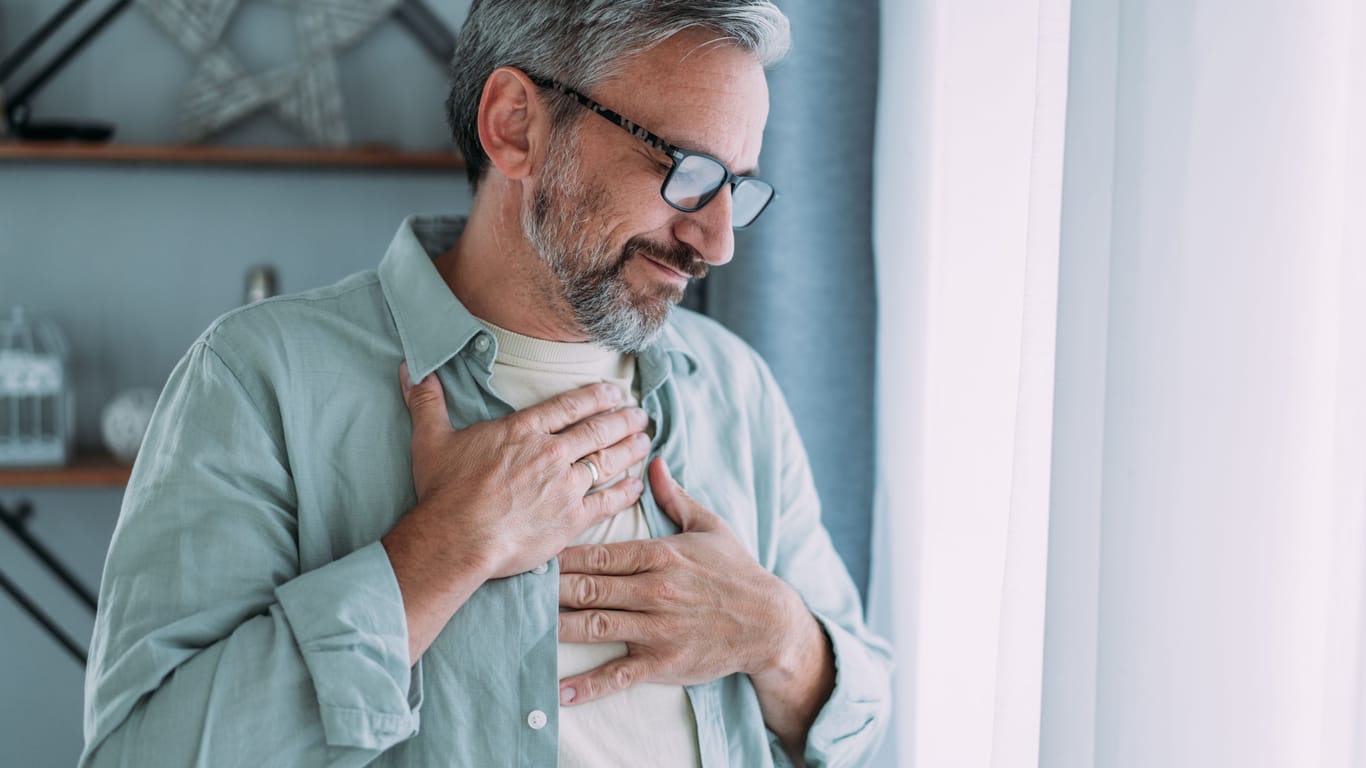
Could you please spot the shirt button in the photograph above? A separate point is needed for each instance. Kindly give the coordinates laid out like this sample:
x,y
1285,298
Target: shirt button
x,y
481,343
540,569
536,719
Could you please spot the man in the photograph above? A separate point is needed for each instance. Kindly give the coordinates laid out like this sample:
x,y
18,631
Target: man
x,y
316,557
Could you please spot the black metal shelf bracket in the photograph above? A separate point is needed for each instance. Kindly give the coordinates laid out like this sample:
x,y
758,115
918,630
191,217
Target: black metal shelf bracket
x,y
16,522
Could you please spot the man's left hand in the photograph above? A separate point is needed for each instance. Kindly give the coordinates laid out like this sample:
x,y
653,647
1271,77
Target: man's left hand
x,y
690,608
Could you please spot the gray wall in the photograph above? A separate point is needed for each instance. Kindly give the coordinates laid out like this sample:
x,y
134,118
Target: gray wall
x,y
134,262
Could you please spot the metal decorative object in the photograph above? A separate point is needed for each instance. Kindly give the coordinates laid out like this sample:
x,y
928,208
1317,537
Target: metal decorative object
x,y
306,95
261,284
37,405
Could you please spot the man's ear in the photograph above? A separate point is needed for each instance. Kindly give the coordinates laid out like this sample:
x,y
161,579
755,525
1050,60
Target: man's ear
x,y
512,124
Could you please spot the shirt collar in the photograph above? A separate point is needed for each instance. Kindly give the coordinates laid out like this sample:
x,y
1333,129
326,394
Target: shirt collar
x,y
669,353
434,326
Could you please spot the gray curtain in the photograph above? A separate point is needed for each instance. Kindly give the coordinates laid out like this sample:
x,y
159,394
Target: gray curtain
x,y
801,288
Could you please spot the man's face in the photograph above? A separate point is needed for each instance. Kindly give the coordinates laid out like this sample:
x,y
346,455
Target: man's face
x,y
621,254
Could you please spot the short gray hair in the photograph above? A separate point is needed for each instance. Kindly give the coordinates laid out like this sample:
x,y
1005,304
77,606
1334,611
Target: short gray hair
x,y
583,42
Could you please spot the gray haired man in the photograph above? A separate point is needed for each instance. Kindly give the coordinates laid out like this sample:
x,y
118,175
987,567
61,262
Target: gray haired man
x,y
578,526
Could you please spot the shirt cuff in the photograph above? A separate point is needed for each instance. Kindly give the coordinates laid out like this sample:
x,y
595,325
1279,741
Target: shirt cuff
x,y
851,724
348,622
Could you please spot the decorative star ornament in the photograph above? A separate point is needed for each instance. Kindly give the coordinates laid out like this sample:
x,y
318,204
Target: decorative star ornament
x,y
305,94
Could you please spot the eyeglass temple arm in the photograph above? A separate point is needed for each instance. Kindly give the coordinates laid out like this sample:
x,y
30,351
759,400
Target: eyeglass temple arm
x,y
606,114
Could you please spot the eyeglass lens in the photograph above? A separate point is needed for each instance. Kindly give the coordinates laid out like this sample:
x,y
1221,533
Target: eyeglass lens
x,y
694,179
748,201
697,178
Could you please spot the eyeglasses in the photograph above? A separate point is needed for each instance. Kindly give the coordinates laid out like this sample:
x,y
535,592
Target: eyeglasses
x,y
695,178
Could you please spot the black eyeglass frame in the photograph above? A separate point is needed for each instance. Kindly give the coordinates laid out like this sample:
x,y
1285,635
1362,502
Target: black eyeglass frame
x,y
676,154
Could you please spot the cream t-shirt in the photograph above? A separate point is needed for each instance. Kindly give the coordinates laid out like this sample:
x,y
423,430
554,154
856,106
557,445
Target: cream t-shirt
x,y
647,724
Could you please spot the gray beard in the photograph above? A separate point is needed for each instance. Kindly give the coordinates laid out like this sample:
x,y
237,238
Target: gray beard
x,y
559,225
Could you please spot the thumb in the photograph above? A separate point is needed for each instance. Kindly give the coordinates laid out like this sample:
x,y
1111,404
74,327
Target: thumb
x,y
675,501
426,402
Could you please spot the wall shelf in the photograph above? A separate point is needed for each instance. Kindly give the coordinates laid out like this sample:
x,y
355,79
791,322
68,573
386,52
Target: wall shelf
x,y
379,158
85,471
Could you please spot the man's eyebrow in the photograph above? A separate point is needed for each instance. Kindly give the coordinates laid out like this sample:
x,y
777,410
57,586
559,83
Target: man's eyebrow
x,y
690,147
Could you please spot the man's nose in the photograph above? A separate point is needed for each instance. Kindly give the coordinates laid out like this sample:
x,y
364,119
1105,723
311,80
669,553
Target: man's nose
x,y
709,230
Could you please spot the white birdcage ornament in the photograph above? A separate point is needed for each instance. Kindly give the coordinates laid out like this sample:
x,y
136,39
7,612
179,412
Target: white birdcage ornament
x,y
37,406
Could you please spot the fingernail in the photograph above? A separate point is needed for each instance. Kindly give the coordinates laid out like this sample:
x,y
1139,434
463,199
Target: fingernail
x,y
567,695
613,393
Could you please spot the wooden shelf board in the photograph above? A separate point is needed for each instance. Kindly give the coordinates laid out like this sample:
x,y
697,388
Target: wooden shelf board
x,y
192,155
86,470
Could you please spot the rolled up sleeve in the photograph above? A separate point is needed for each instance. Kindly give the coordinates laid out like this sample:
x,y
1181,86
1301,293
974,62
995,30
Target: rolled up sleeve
x,y
344,618
851,724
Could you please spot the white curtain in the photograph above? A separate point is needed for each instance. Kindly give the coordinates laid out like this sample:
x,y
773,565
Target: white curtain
x,y
1122,461
969,190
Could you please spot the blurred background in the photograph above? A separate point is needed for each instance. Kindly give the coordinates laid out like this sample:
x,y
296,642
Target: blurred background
x,y
133,260
1067,298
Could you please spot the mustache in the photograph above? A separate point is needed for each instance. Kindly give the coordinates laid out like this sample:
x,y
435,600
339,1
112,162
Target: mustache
x,y
680,256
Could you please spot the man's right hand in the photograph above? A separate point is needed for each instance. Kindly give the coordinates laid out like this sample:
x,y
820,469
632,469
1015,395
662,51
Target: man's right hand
x,y
502,496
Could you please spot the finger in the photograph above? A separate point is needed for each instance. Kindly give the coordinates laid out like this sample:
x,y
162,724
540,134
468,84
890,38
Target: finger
x,y
601,626
676,503
589,478
571,407
620,559
581,590
612,500
603,430
426,402
621,456
613,677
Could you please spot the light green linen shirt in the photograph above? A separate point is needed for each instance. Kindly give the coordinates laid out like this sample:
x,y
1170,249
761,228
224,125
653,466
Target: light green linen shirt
x,y
249,616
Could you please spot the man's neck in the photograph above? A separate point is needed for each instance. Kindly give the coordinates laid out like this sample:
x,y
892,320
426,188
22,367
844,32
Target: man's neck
x,y
495,273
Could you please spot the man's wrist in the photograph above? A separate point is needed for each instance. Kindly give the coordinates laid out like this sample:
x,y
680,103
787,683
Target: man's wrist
x,y
797,634
798,677
451,564
434,578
